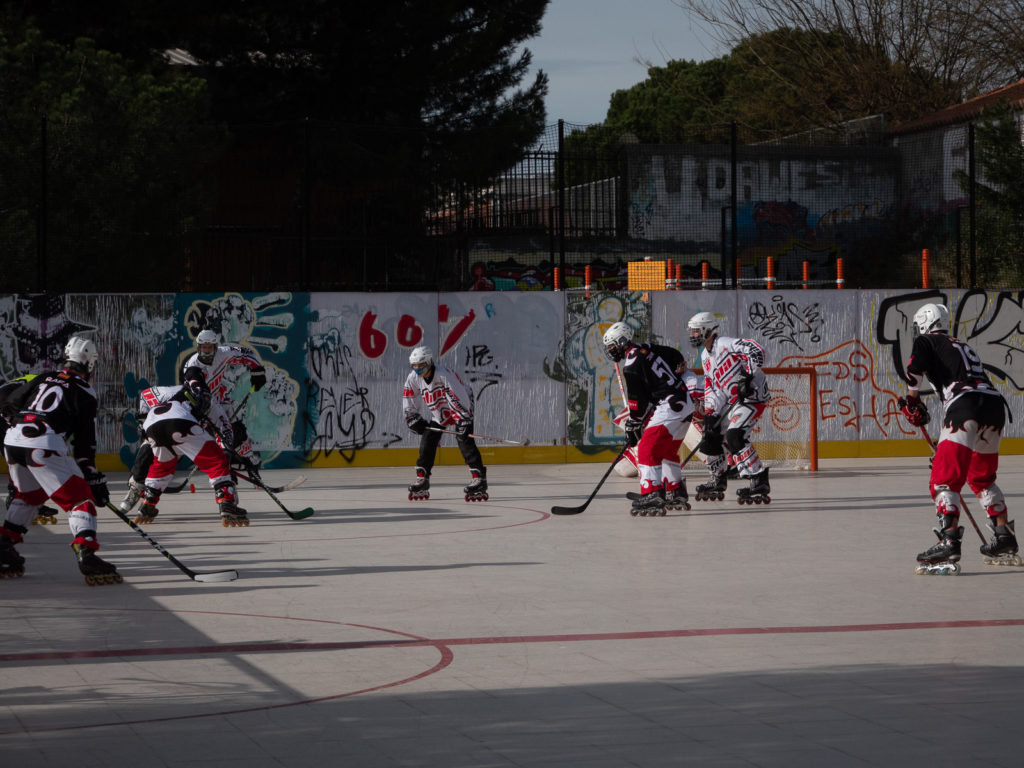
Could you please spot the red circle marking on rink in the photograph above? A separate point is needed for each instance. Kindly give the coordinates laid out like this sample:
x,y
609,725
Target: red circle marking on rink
x,y
443,646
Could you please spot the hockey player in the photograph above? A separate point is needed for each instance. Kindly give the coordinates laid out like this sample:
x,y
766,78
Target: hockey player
x,y
450,404
45,515
653,386
173,429
735,396
53,407
973,417
214,360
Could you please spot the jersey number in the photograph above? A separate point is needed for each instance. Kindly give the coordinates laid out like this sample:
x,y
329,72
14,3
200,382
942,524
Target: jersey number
x,y
47,399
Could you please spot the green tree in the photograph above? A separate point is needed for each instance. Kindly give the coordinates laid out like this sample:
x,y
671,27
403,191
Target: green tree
x,y
999,196
378,110
123,150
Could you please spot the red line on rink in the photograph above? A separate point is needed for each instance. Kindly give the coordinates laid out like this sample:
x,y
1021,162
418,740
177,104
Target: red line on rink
x,y
237,648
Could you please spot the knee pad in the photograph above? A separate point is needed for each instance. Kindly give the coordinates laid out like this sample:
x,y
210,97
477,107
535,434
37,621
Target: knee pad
x,y
992,500
734,440
947,503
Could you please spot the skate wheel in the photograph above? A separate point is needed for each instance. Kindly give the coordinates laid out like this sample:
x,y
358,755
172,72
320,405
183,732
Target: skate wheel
x,y
662,513
757,499
469,498
634,512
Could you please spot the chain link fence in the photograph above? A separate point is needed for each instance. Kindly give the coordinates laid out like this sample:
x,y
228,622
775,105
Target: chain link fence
x,y
298,206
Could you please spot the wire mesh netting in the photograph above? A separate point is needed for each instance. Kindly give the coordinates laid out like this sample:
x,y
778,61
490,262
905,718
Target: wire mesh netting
x,y
295,205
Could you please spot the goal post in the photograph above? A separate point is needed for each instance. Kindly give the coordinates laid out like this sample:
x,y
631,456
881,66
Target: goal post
x,y
787,433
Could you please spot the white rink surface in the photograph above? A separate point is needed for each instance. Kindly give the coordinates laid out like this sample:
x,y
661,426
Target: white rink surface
x,y
383,632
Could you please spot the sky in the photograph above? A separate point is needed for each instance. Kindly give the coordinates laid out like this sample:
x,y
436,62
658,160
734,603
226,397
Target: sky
x,y
588,48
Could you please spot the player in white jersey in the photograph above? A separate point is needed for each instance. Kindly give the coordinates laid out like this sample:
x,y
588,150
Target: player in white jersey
x,y
215,361
735,397
173,428
450,404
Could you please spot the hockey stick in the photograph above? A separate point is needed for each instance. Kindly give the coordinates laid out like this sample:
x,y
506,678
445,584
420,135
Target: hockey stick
x,y
302,514
204,577
277,488
584,505
181,486
477,437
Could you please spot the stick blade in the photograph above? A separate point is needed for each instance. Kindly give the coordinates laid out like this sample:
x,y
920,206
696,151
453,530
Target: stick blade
x,y
218,576
302,514
293,484
567,510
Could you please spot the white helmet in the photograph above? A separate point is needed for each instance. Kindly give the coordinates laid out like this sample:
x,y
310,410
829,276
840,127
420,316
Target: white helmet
x,y
421,359
206,338
80,354
702,326
617,341
932,317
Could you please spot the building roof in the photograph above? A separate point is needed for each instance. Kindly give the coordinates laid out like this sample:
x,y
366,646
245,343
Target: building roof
x,y
965,111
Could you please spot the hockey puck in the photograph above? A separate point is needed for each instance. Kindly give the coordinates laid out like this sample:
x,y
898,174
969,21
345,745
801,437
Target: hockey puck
x,y
192,487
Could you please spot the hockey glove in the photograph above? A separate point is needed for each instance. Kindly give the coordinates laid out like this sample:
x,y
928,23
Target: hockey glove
x,y
745,387
914,411
634,429
710,442
463,428
416,423
97,484
239,432
258,378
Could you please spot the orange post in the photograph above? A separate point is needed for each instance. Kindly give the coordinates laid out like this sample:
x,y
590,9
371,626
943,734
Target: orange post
x,y
558,278
807,272
679,277
705,274
739,273
588,280
770,265
670,275
924,267
840,279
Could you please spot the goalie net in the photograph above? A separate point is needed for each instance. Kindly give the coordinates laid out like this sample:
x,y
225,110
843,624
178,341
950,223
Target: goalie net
x,y
787,434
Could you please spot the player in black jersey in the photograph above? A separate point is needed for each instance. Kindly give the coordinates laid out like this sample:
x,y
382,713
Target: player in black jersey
x,y
973,417
52,408
654,385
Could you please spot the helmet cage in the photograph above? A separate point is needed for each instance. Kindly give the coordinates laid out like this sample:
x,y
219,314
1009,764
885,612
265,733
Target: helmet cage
x,y
617,341
702,326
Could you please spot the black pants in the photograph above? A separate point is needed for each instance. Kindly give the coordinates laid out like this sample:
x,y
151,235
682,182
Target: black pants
x,y
428,450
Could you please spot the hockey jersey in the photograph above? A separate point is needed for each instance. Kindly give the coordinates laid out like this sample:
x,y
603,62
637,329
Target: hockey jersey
x,y
951,365
56,407
215,373
650,374
724,366
447,398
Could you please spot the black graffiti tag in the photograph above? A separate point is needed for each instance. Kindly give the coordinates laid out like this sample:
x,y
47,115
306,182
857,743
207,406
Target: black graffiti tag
x,y
786,322
341,418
